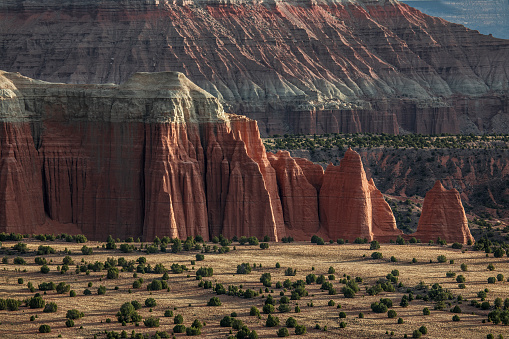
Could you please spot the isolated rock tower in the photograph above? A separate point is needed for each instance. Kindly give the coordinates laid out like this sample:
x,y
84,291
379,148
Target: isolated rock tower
x,y
443,216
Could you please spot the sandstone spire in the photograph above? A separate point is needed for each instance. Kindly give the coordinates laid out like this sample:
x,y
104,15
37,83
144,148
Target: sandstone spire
x,y
443,216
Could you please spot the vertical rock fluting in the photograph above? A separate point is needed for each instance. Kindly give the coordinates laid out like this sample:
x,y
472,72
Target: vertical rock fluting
x,y
175,200
241,186
350,206
443,216
299,198
21,198
157,156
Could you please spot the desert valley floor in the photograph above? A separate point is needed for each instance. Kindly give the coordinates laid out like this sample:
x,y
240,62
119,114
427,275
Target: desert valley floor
x,y
185,297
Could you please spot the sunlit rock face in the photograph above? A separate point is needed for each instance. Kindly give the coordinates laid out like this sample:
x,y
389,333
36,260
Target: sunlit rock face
x,y
443,217
158,156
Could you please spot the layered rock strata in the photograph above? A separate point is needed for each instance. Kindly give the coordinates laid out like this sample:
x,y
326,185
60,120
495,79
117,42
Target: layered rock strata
x,y
154,156
324,66
443,217
158,156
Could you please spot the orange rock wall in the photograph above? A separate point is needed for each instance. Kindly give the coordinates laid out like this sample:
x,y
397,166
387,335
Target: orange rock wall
x,y
179,180
21,194
443,216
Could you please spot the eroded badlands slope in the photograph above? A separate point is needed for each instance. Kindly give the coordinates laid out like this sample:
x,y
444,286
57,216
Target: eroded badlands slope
x,y
294,66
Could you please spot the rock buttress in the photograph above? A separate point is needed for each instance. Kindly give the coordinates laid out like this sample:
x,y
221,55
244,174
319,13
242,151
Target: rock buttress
x,y
299,198
350,206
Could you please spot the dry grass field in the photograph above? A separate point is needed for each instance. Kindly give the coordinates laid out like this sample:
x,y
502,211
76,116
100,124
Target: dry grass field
x,y
189,300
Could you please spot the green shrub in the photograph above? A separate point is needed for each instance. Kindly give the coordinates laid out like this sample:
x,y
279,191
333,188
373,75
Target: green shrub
x,y
151,322
455,309
101,290
283,308
416,334
300,329
491,280
36,302
460,279
179,319
283,332
128,314
254,311
455,318
244,268
450,274
377,255
179,328
374,245
264,245
342,324
10,304
226,321
441,258
214,301
423,329
379,307
425,311
291,322
290,271
112,273
150,302
63,288
265,279
191,331
392,314
268,308
74,314
69,323
45,269
50,308
44,329
272,321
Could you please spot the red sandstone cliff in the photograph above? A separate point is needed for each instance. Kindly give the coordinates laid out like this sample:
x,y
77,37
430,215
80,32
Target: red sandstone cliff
x,y
295,66
154,156
352,207
443,216
157,155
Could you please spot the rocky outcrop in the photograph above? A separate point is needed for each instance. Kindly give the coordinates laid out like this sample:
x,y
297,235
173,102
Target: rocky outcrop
x,y
443,217
296,66
352,207
158,156
299,197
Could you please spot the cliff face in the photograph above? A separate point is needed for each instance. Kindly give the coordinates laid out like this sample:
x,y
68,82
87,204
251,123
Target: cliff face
x,y
132,160
158,156
321,66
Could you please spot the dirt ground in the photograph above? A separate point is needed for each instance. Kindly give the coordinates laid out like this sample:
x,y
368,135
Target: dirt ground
x,y
189,300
